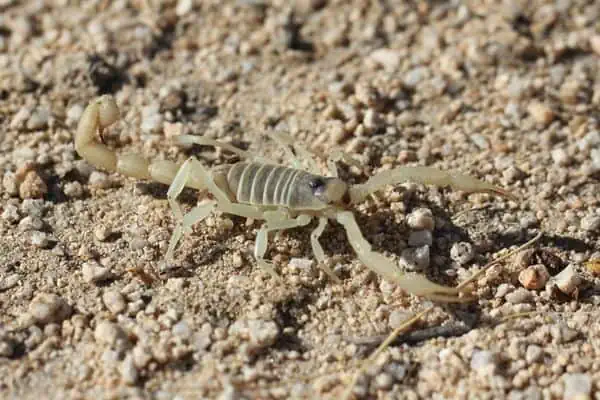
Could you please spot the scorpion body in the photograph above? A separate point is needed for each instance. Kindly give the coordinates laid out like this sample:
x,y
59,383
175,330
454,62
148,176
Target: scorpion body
x,y
282,196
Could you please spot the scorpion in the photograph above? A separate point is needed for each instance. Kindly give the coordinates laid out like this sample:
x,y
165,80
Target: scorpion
x,y
284,197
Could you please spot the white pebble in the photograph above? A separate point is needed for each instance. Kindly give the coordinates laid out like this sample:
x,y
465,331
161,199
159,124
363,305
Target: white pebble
x,y
182,329
484,362
415,76
420,238
183,7
260,334
73,189
98,179
74,114
590,223
462,253
421,219
560,157
387,58
519,296
38,119
141,356
30,223
40,240
301,264
384,381
534,353
10,184
110,334
33,207
541,113
534,276
47,307
568,280
11,214
577,386
114,301
20,117
102,232
7,348
94,272
128,370
372,121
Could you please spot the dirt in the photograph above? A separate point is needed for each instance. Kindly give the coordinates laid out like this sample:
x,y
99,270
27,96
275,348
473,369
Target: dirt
x,y
507,92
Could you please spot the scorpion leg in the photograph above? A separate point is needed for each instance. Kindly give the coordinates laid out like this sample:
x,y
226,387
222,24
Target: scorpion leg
x,y
412,283
423,175
318,249
288,143
276,221
206,141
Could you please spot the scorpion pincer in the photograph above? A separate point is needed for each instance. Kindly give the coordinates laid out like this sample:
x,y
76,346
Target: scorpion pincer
x,y
284,197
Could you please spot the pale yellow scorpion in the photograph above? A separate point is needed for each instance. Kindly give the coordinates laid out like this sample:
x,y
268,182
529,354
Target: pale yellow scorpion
x,y
260,189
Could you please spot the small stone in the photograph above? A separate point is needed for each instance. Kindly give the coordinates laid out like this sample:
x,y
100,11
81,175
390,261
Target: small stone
x,y
9,281
98,179
372,121
30,223
7,348
560,157
93,272
519,296
33,207
595,44
301,264
534,353
38,119
462,253
577,386
151,119
367,95
534,277
236,260
74,114
141,356
260,334
590,223
541,113
561,333
484,362
182,329
73,190
128,370
415,76
114,301
397,318
389,59
10,183
184,7
513,174
46,308
420,238
11,214
40,240
20,117
33,187
102,232
568,281
384,381
415,258
421,219
110,334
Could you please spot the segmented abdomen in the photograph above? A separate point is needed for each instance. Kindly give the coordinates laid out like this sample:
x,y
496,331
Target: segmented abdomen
x,y
263,184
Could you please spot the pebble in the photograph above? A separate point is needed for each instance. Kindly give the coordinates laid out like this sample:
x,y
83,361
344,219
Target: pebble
x,y
73,190
533,353
595,44
40,239
151,119
384,381
577,386
93,272
184,7
484,362
568,281
10,281
260,334
39,119
20,118
11,214
7,348
102,232
114,301
590,223
141,355
128,370
420,238
182,329
421,219
462,252
10,184
46,308
33,207
513,174
519,296
74,114
534,277
33,187
301,264
98,179
30,223
415,258
389,59
541,113
372,121
110,334
560,157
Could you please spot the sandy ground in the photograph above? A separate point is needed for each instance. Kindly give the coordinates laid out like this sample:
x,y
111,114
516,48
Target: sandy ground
x,y
505,91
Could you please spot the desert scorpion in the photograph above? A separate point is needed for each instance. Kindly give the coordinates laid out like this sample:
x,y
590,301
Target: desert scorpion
x,y
284,197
